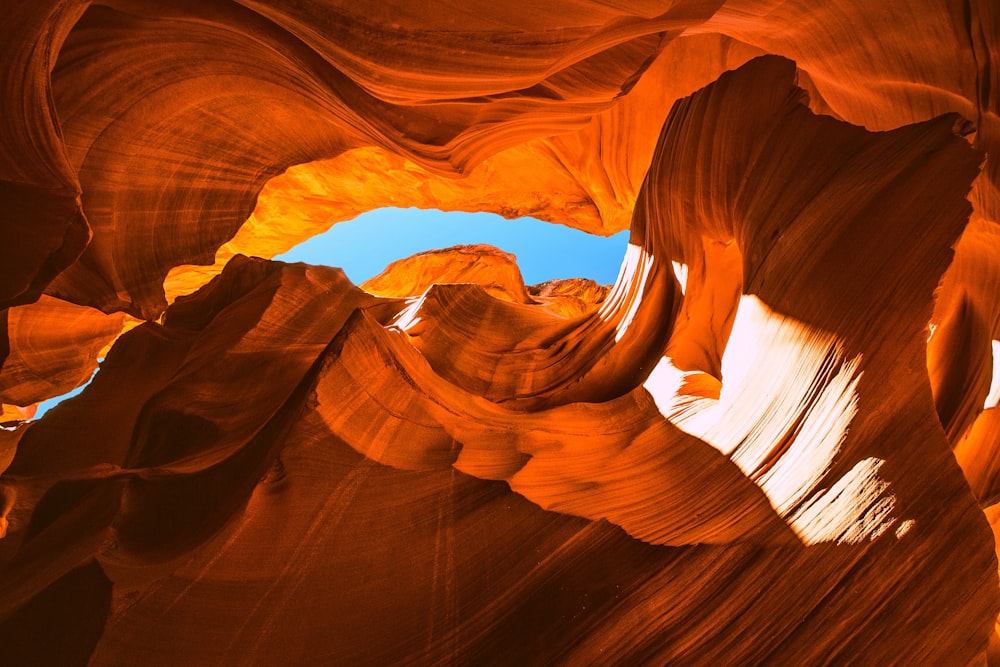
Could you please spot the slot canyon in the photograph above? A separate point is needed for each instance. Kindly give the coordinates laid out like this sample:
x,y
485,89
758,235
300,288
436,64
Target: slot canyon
x,y
774,439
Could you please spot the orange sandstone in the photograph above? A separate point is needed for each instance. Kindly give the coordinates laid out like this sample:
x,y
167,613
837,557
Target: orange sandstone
x,y
773,440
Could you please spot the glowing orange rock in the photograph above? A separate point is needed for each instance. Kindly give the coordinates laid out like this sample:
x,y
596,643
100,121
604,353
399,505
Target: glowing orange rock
x,y
741,452
483,265
53,348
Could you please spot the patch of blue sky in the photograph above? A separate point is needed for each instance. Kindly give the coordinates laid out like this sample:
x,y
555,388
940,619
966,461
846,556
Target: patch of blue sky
x,y
364,246
48,404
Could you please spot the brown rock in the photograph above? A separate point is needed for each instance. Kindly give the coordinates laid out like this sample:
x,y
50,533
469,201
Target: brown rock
x,y
772,440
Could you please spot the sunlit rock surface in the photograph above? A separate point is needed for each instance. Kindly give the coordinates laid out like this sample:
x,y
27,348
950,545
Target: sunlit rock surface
x,y
775,439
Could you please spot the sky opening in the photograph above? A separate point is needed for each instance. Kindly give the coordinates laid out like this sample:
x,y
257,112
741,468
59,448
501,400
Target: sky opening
x,y
48,404
364,246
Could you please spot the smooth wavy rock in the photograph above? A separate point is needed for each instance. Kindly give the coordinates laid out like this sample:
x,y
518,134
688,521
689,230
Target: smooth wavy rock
x,y
554,178
774,440
964,356
495,270
53,348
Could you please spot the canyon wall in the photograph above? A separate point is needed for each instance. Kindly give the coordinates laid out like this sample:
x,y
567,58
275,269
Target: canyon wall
x,y
774,440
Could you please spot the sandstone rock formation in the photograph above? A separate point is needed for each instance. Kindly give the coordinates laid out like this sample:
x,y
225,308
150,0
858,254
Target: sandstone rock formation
x,y
774,440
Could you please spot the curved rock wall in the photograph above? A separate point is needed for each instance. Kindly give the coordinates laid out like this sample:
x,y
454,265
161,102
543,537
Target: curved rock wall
x,y
773,440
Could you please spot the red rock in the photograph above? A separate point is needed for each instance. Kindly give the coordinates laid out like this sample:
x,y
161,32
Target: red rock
x,y
771,441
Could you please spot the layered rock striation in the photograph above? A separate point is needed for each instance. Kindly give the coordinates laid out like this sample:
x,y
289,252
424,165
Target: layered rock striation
x,y
773,440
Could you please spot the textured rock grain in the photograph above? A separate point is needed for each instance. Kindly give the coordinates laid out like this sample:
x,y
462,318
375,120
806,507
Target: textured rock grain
x,y
774,440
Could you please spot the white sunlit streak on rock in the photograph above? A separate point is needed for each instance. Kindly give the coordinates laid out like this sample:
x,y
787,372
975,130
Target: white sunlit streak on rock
x,y
787,399
409,317
993,396
628,289
681,273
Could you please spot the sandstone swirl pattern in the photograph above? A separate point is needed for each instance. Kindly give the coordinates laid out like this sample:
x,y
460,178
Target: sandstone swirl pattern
x,y
774,439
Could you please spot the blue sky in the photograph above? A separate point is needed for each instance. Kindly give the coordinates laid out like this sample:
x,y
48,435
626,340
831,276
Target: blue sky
x,y
45,406
366,245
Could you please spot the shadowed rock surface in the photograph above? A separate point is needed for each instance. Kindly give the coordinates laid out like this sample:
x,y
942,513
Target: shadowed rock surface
x,y
774,440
